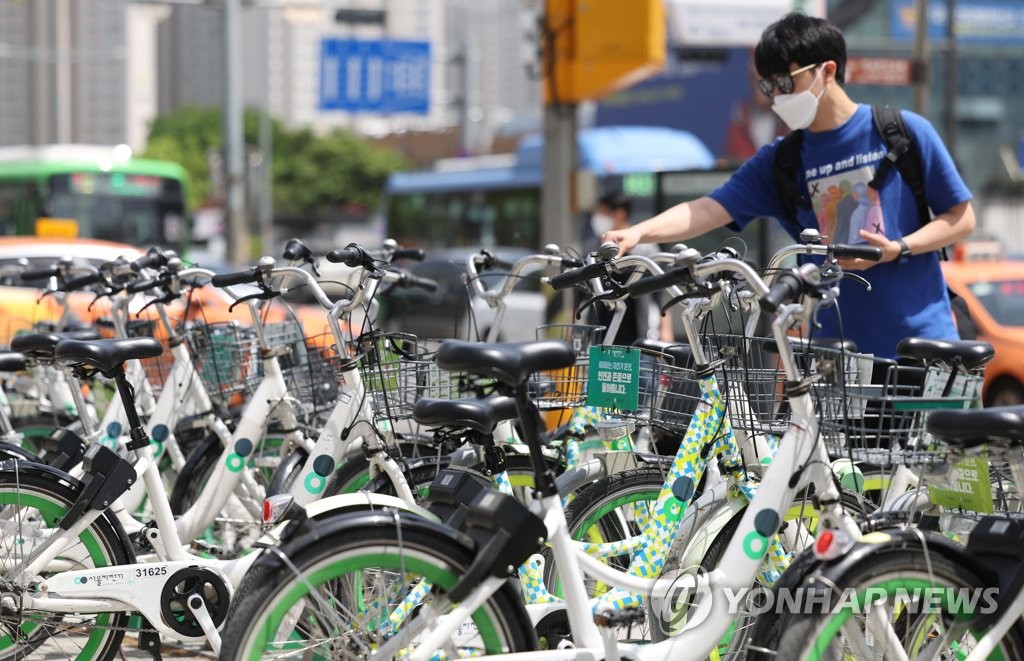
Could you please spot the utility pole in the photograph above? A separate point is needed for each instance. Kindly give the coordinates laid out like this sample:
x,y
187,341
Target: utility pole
x,y
921,74
234,136
951,77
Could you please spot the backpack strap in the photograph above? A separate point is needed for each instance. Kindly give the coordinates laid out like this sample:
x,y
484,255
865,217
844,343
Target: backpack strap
x,y
787,161
901,153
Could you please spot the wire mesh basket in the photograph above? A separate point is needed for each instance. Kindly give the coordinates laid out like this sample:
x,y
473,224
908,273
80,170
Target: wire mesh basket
x,y
565,388
873,410
226,358
158,368
398,369
750,380
308,367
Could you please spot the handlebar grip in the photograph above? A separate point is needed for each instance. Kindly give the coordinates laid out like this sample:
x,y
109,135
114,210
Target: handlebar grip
x,y
82,282
415,254
153,258
239,278
427,284
653,283
486,260
142,285
39,274
786,289
870,253
351,255
571,262
576,276
296,249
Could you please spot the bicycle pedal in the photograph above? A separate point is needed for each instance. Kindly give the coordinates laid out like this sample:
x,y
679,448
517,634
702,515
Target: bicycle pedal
x,y
620,618
206,547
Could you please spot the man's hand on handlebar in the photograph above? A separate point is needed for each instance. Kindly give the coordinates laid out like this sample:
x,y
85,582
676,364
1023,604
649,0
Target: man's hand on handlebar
x,y
626,239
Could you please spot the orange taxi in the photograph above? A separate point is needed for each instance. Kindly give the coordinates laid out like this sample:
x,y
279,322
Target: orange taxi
x,y
993,288
21,307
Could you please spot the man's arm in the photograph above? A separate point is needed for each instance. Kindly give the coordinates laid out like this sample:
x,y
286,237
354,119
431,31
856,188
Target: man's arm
x,y
943,230
679,223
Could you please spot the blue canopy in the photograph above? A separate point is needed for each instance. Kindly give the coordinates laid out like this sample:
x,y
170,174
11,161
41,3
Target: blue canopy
x,y
625,149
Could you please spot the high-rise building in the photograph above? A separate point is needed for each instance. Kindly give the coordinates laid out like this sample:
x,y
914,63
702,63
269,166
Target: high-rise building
x,y
99,71
77,71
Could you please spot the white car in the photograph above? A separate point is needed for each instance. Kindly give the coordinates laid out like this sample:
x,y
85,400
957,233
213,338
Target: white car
x,y
454,311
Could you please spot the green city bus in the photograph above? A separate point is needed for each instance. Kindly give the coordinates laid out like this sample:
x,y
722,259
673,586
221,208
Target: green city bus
x,y
93,192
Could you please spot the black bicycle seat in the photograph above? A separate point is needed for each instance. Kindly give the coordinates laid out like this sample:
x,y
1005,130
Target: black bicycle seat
x,y
12,361
509,362
105,355
480,415
968,428
970,354
41,345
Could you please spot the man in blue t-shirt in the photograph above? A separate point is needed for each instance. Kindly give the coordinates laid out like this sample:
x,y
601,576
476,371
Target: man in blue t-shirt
x,y
802,61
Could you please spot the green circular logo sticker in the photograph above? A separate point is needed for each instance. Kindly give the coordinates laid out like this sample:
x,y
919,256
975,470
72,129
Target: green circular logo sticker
x,y
235,463
315,483
755,545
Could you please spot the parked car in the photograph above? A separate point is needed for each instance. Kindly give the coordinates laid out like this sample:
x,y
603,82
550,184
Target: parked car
x,y
21,306
993,288
454,311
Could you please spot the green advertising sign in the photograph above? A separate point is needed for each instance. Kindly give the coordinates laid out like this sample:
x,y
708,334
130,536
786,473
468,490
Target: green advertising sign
x,y
614,381
968,488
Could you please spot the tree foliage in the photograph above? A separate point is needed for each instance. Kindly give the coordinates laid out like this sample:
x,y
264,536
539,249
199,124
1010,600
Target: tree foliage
x,y
313,174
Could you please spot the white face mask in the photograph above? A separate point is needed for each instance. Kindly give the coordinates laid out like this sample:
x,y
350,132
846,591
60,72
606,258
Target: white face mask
x,y
601,223
798,110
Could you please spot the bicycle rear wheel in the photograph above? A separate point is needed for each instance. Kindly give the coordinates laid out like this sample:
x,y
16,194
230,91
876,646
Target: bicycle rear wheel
x,y
335,592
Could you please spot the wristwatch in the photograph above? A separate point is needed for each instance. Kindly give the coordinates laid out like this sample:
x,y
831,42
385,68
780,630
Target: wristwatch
x,y
904,250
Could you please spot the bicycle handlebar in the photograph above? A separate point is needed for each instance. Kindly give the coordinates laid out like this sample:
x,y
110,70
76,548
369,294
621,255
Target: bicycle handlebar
x,y
552,256
238,278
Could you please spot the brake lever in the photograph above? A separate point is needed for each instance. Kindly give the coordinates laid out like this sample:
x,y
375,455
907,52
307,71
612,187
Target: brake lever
x,y
165,299
699,290
264,295
106,294
613,294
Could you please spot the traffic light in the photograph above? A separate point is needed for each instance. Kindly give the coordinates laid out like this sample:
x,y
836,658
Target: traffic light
x,y
593,48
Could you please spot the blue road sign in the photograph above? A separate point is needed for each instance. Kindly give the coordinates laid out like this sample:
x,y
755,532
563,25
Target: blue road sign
x,y
380,77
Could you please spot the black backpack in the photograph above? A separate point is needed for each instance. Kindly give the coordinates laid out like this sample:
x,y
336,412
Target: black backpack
x,y
901,153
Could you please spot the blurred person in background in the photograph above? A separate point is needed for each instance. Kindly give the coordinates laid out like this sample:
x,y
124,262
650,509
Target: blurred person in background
x,y
643,317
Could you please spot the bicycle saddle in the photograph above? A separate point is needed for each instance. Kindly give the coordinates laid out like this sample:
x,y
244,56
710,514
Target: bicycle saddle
x,y
509,362
12,361
971,427
41,345
969,353
105,355
480,415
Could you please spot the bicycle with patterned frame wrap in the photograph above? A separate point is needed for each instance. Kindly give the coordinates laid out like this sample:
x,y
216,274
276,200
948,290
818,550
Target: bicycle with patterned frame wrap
x,y
433,626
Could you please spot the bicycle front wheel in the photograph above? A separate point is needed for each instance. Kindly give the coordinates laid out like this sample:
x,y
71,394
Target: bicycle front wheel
x,y
33,500
899,600
343,589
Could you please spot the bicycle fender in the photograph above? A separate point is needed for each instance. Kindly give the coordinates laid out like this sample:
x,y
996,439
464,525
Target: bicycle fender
x,y
866,548
56,475
363,519
704,520
346,503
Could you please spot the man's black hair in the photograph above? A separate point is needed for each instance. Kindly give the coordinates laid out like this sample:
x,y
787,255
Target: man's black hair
x,y
802,40
616,200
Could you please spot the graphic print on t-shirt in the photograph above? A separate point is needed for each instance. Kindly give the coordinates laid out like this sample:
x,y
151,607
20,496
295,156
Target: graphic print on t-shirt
x,y
844,204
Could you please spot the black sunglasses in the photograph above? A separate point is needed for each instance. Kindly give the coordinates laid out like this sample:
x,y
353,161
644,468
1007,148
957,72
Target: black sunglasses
x,y
783,82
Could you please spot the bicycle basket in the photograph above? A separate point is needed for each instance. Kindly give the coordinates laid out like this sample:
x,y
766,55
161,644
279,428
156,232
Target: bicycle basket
x,y
565,388
874,410
226,357
397,369
750,381
308,370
